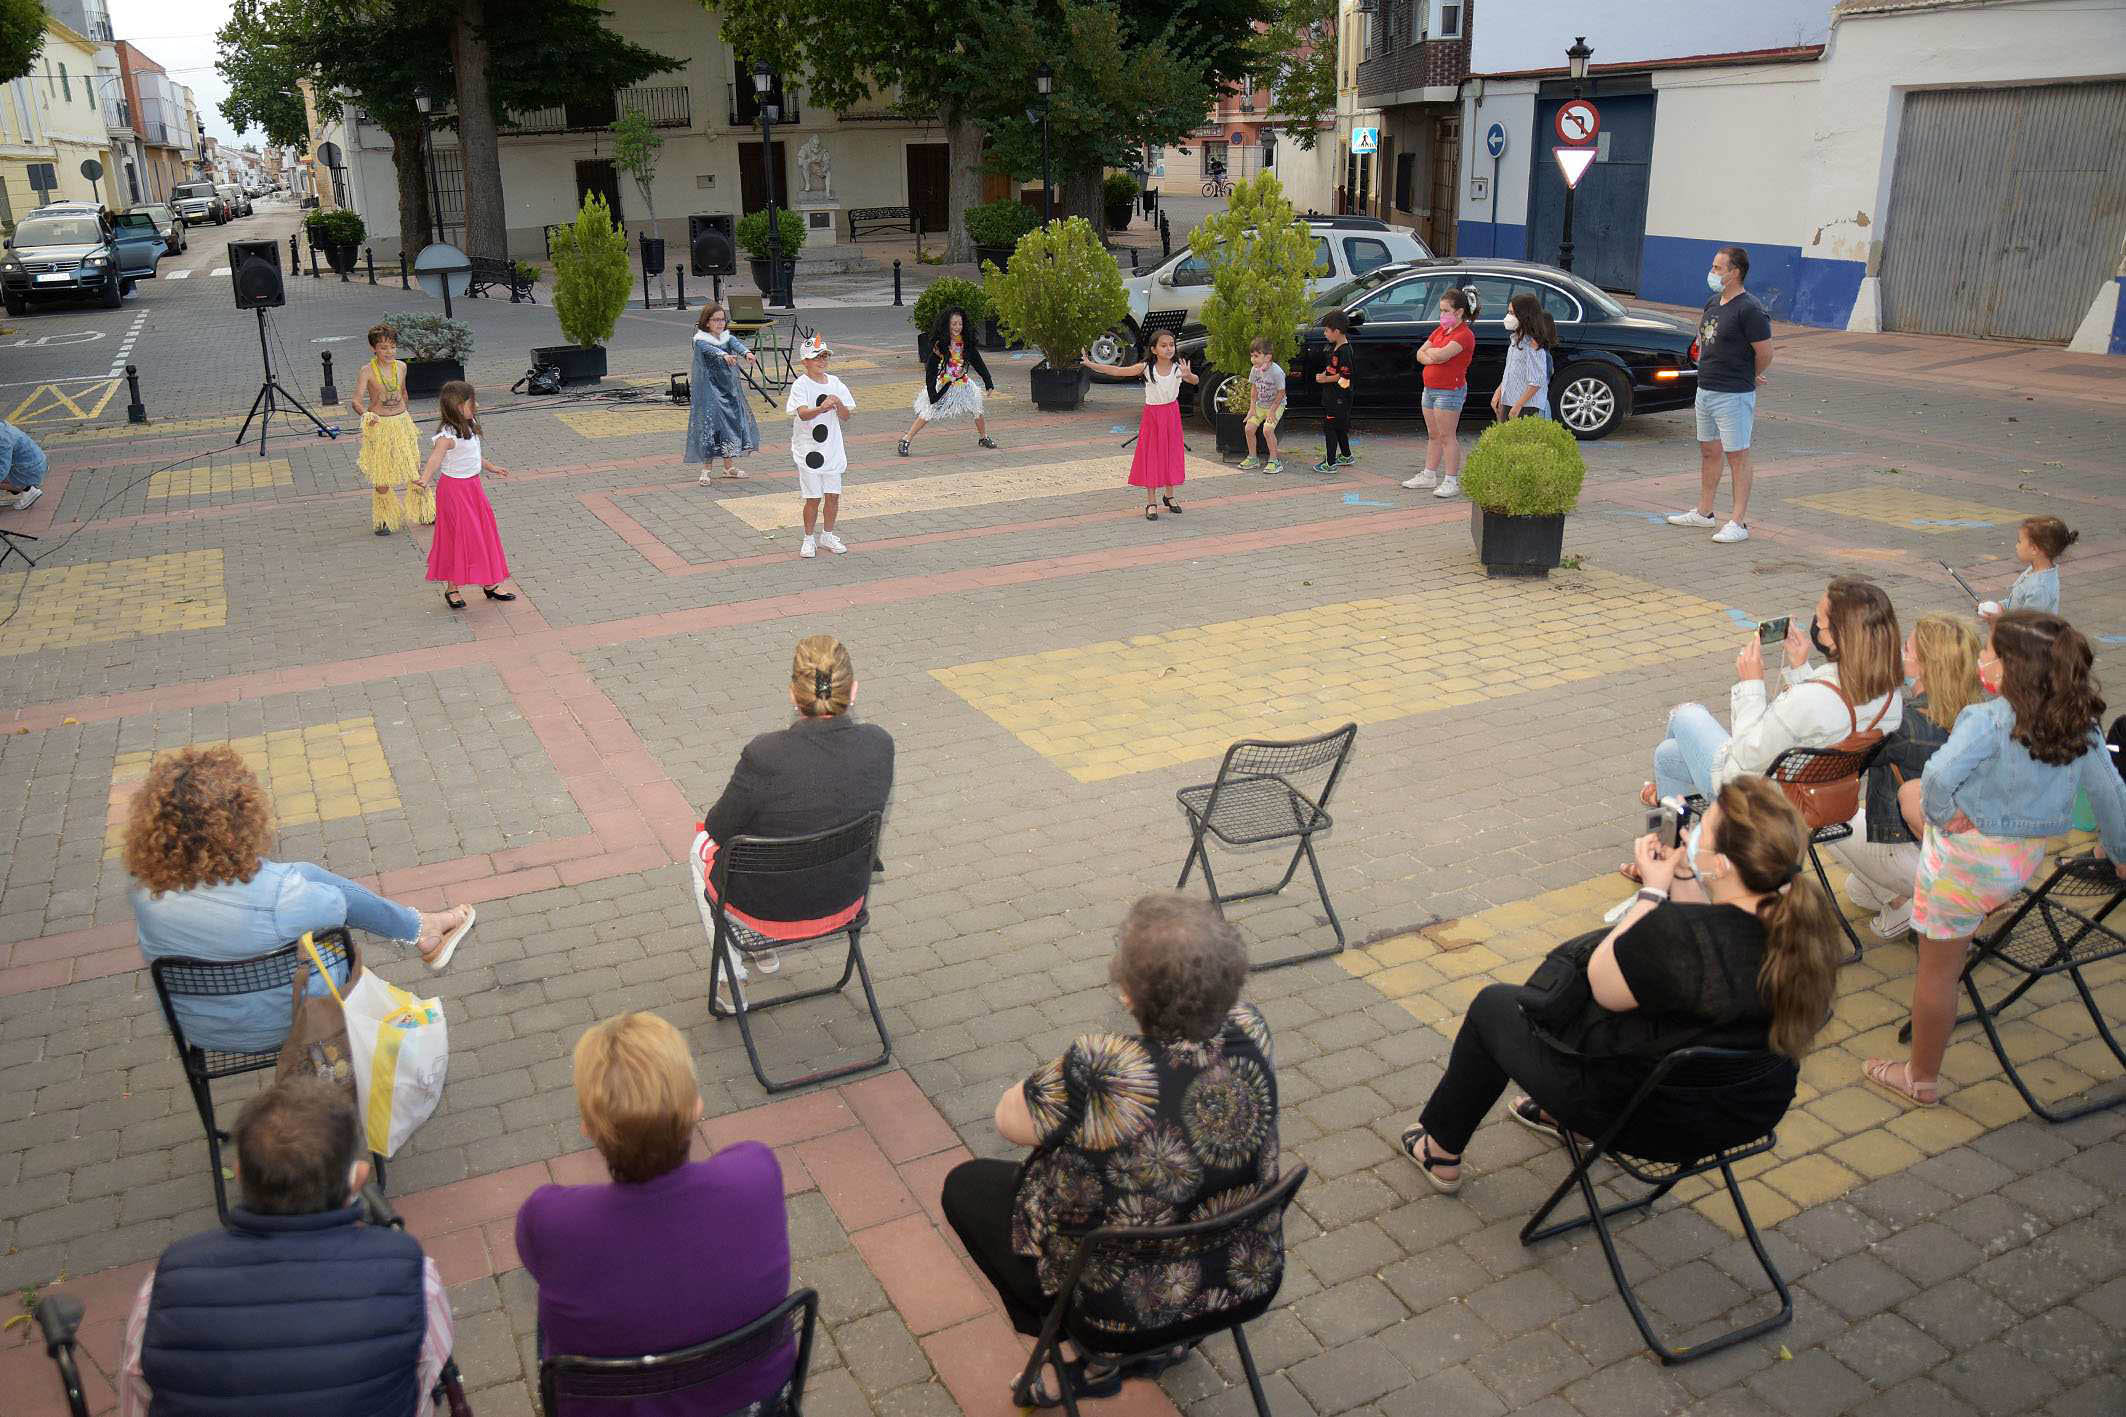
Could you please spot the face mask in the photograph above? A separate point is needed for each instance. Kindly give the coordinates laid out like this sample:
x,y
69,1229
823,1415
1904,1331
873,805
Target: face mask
x,y
1989,679
1911,683
1690,846
1450,319
1816,639
1714,283
1511,322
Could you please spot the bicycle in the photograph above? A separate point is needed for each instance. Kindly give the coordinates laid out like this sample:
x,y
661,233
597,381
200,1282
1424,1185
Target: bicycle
x,y
60,1315
1216,185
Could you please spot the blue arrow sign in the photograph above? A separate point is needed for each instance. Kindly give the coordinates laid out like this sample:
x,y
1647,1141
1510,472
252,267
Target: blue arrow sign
x,y
1495,139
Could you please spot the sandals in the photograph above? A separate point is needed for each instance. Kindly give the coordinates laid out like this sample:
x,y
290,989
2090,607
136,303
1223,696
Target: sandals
x,y
1535,1119
1893,1078
450,598
1428,1165
440,960
1087,1383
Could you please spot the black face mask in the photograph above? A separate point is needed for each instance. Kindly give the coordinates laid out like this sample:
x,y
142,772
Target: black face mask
x,y
1816,639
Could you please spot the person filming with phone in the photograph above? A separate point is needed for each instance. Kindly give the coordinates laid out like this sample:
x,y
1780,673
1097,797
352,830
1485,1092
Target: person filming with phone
x,y
1853,696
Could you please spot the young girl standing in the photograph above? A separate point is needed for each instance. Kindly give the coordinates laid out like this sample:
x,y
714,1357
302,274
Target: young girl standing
x,y
949,390
719,423
2039,544
1525,386
467,549
1446,357
391,447
1158,466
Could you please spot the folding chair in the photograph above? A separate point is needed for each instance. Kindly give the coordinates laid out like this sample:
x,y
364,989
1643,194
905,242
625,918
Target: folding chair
x,y
1658,1157
1127,1249
1816,767
1262,795
569,1385
180,978
746,860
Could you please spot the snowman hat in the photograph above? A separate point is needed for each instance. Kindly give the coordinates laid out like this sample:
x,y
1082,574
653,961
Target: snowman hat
x,y
814,347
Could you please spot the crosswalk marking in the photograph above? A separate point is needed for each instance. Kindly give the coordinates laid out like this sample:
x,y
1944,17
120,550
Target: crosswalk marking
x,y
220,270
178,275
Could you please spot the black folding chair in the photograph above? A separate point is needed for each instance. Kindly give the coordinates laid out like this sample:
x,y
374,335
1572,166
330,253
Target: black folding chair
x,y
1127,1249
1817,767
177,977
1266,791
1657,1156
569,1385
746,863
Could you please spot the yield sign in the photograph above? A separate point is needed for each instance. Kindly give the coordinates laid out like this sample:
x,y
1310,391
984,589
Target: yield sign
x,y
1573,162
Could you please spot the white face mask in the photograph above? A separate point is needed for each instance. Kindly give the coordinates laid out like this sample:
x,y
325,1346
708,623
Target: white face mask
x,y
1690,845
1713,282
1511,321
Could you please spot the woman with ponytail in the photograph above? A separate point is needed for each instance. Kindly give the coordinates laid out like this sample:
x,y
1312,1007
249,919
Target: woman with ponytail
x,y
2004,782
1728,945
824,770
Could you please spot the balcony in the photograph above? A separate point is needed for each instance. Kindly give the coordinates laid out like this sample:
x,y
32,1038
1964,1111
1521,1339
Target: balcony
x,y
745,105
665,105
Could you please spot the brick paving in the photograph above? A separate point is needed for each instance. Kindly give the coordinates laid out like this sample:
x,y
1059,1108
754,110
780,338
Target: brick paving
x,y
1052,668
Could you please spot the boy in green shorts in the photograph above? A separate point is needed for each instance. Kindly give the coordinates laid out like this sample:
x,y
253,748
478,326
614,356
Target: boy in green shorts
x,y
1265,406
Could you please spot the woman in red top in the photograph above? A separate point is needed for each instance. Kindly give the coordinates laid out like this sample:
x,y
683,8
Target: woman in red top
x,y
1446,357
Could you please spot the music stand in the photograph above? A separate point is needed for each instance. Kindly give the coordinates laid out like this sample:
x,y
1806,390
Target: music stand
x,y
263,406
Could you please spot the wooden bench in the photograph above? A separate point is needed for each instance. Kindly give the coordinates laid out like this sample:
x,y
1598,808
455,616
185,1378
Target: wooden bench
x,y
489,273
883,219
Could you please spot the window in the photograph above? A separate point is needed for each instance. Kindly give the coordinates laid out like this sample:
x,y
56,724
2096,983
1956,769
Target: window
x,y
1418,9
1405,176
1323,266
1193,270
1365,254
1492,293
1408,300
65,85
88,90
1450,20
1556,303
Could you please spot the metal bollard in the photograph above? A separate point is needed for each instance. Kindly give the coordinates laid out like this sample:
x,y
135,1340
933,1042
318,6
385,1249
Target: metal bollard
x,y
313,263
404,284
295,258
136,411
369,255
1166,238
682,285
896,281
343,275
329,395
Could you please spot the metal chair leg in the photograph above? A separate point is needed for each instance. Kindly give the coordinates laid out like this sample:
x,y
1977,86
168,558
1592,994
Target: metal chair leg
x,y
1247,1365
1836,909
745,1008
2054,1115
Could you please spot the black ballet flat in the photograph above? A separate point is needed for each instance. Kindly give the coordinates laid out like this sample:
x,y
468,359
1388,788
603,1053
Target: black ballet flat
x,y
450,598
492,594
1151,513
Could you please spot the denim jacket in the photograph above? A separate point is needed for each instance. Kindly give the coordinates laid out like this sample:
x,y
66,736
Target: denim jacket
x,y
1903,759
236,921
1992,779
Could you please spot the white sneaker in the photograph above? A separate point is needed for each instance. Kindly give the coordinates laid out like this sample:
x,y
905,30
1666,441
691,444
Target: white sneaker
x,y
832,542
1732,533
1894,923
1693,517
810,548
1423,482
28,498
1864,892
1450,486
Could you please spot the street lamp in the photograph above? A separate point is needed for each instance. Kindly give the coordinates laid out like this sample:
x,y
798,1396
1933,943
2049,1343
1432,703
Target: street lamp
x,y
1576,64
763,85
423,103
1044,83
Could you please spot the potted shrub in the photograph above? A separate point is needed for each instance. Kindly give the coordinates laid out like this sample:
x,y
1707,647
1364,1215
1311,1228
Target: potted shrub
x,y
1261,257
1061,289
590,291
754,238
995,228
942,294
338,232
1522,477
435,350
527,272
1118,192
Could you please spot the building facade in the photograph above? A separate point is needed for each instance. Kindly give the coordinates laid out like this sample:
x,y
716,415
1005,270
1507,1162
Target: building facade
x,y
51,123
160,121
1412,58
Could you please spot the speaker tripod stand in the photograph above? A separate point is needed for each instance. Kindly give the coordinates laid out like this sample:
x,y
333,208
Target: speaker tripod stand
x,y
271,397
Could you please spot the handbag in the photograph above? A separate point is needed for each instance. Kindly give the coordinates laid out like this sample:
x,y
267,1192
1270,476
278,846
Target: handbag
x,y
1557,996
316,1045
1826,804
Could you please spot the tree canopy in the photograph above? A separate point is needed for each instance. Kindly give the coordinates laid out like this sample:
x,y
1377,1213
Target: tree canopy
x,y
1297,56
21,37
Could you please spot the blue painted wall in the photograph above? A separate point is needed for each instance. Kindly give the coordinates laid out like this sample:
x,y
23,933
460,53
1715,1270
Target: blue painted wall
x,y
1475,239
2118,321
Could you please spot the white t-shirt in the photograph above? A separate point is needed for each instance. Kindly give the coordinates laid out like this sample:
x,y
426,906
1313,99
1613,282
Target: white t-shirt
x,y
461,456
816,443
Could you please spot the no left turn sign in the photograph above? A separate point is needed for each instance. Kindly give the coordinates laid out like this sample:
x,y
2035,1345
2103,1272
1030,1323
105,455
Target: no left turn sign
x,y
1577,122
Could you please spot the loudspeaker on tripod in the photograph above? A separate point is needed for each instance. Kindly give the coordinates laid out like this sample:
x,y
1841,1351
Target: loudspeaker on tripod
x,y
713,243
255,273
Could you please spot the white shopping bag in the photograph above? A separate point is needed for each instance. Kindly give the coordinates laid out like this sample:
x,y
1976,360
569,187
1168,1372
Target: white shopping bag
x,y
400,1048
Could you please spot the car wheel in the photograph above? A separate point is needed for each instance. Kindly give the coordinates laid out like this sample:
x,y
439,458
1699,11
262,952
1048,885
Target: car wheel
x,y
1593,401
16,305
126,289
113,293
1114,346
1210,390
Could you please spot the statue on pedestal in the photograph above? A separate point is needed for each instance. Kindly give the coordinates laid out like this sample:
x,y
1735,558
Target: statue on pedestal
x,y
815,169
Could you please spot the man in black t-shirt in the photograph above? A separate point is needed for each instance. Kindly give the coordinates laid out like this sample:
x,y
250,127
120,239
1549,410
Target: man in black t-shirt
x,y
1734,350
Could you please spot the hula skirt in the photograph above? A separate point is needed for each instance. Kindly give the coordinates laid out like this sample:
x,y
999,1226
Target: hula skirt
x,y
391,460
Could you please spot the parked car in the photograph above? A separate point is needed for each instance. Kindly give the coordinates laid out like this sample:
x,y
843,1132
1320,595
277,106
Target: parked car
x,y
76,252
168,225
199,202
233,200
1171,295
1610,363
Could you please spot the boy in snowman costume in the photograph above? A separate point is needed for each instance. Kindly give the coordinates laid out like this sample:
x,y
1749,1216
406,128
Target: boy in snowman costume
x,y
818,405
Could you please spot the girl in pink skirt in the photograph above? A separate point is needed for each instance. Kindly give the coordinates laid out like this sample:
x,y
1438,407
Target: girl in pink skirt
x,y
467,549
1158,464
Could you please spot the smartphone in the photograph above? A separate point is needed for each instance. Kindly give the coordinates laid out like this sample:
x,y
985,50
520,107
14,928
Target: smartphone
x,y
1773,632
1666,823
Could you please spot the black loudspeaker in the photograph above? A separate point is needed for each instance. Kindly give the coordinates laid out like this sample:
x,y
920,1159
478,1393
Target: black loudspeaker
x,y
713,243
255,272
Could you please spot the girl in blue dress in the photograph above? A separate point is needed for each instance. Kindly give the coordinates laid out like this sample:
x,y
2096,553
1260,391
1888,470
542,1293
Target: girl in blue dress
x,y
719,424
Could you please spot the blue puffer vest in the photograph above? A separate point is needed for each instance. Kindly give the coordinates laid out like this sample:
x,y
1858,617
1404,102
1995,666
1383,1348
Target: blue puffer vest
x,y
287,1313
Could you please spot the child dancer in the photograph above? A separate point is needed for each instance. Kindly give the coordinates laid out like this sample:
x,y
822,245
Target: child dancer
x,y
1335,381
1445,357
719,422
467,549
391,447
949,372
1265,405
1525,386
818,405
1158,466
2039,543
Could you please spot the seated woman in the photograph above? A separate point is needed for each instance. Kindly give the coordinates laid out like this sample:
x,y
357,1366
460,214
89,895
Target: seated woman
x,y
1855,629
823,771
1744,954
670,1254
1175,1123
1882,855
196,835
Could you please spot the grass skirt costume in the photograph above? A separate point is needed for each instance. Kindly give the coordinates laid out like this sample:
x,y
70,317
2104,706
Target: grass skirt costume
x,y
962,398
719,421
391,460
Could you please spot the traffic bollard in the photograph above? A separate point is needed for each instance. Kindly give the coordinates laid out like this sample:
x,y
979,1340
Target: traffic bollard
x,y
295,256
136,411
404,284
313,263
329,396
369,255
682,285
896,281
1166,238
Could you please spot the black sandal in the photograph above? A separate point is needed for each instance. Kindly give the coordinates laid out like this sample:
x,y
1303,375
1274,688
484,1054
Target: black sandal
x,y
1428,1165
1087,1383
1151,1365
1151,513
989,443
492,594
450,598
1535,1119
1170,505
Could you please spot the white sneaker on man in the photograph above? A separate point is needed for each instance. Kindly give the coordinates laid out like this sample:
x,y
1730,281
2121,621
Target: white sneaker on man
x,y
1693,517
810,548
1864,892
28,498
1732,533
1449,486
1423,482
832,542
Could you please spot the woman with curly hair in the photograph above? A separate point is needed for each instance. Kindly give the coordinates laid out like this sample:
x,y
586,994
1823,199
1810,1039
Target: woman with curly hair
x,y
195,843
1172,1124
2004,782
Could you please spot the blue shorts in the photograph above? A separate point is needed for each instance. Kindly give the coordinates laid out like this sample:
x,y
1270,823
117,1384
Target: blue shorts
x,y
1727,419
1445,398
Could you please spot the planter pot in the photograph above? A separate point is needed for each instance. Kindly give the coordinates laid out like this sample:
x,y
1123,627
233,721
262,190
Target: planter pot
x,y
1118,215
1000,254
1057,390
761,277
577,364
425,378
1516,546
1232,437
341,256
992,337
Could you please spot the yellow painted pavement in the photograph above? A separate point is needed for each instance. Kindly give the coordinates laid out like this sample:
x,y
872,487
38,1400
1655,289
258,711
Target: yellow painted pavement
x,y
96,602
325,772
252,476
1910,511
861,498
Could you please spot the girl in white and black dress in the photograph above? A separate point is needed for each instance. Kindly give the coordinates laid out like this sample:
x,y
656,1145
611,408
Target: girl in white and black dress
x,y
949,373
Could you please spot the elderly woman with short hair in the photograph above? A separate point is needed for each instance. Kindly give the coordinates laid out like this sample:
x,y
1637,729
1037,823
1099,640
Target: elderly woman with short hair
x,y
1172,1124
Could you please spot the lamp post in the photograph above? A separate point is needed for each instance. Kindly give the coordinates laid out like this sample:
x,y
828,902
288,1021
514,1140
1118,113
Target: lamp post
x,y
423,103
1044,84
763,84
1576,63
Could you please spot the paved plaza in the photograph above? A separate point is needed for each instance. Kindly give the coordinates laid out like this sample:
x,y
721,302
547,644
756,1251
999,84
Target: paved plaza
x,y
1052,668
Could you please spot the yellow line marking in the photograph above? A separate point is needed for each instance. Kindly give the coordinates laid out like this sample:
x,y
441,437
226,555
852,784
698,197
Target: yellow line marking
x,y
202,481
44,403
1913,511
769,511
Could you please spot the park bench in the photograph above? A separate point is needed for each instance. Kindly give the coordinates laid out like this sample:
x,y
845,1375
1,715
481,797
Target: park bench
x,y
882,219
490,273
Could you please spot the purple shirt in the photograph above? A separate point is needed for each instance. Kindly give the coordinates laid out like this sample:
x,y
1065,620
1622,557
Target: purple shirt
x,y
625,1270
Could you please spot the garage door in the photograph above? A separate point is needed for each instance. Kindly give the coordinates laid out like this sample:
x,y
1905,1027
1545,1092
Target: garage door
x,y
2007,210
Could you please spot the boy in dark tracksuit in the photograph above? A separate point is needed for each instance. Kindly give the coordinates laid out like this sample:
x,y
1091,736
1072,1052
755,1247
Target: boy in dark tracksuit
x,y
1335,381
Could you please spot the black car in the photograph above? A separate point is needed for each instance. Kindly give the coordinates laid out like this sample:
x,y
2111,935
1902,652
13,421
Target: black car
x,y
76,252
1609,364
168,225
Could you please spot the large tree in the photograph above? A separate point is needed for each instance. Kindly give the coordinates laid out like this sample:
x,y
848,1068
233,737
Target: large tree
x,y
256,60
1296,55
21,37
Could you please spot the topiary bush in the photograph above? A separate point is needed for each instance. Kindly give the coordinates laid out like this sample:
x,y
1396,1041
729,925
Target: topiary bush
x,y
1261,257
1062,289
1000,223
1525,467
336,226
590,274
944,293
753,234
1118,194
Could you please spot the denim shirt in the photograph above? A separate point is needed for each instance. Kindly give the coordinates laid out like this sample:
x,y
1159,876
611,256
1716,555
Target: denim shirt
x,y
2036,590
236,921
1992,779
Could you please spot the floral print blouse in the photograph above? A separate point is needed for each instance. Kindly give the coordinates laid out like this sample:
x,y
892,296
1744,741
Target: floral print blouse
x,y
1142,1131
